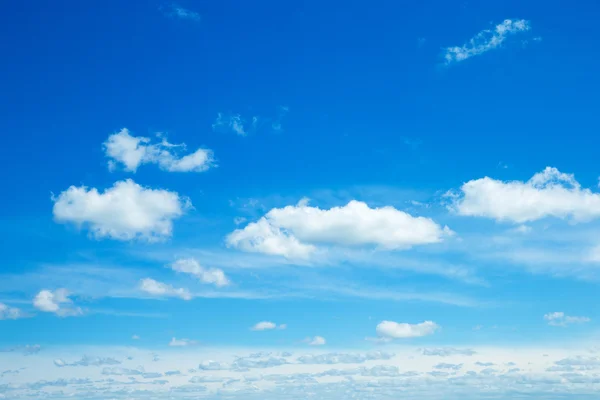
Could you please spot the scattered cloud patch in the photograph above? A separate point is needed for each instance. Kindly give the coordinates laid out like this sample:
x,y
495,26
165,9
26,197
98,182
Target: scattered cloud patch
x,y
293,231
560,319
7,312
57,302
135,337
389,330
87,362
125,211
486,40
343,358
191,266
130,152
160,289
549,193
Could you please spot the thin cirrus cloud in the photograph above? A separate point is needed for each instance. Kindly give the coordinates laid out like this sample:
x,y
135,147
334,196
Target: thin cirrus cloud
x,y
176,11
559,318
126,211
294,231
486,40
227,122
182,342
160,289
191,266
267,326
389,330
549,193
130,152
7,312
57,302
235,123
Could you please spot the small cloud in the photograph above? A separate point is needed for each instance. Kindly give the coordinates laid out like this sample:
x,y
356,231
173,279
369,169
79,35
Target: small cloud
x,y
130,152
160,289
315,341
267,326
182,342
57,302
394,330
421,42
560,319
126,211
191,266
135,337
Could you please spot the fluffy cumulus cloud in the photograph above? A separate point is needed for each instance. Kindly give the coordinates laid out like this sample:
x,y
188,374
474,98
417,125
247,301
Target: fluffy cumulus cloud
x,y
559,318
57,302
191,266
294,231
125,211
160,289
7,312
130,152
394,330
549,193
267,326
486,40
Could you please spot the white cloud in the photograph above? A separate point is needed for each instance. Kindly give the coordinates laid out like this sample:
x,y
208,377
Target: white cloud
x,y
486,40
232,123
135,337
191,266
559,318
56,302
7,312
394,330
315,341
292,231
156,288
125,211
267,325
549,193
132,151
181,342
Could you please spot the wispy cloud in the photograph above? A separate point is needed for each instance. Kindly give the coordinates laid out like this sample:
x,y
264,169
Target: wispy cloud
x,y
486,40
560,319
176,11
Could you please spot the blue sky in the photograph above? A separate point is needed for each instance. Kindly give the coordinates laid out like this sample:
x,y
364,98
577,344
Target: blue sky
x,y
223,179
